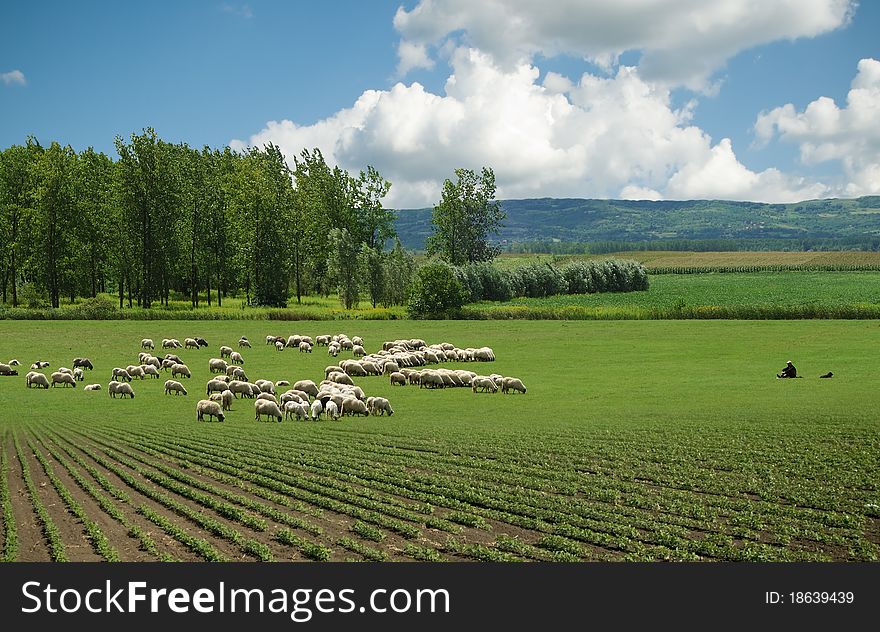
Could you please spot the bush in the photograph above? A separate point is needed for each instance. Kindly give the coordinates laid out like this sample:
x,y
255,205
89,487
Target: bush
x,y
436,292
33,297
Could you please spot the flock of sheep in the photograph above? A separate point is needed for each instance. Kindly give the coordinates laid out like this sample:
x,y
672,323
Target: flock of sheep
x,y
403,362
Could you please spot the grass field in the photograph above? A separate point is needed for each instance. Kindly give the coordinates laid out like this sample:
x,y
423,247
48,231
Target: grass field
x,y
713,295
642,440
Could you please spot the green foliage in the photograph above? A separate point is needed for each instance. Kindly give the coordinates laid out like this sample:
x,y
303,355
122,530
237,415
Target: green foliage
x,y
465,218
342,266
436,292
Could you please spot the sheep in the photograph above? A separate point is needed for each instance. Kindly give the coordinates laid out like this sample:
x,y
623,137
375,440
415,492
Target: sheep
x,y
296,410
322,341
135,372
201,341
305,347
316,409
92,387
173,386
485,383
271,340
181,370
84,363
341,378
64,369
39,364
358,351
331,410
147,343
333,368
216,386
217,365
175,358
484,354
244,342
290,396
167,364
14,362
381,406
5,369
255,390
355,369
190,343
354,406
268,396
238,387
149,360
225,351
225,398
168,343
120,373
293,341
370,368
430,379
79,374
37,379
150,370
236,357
333,350
120,388
398,378
265,407
509,384
209,408
391,367
357,340
279,346
307,386
282,383
265,386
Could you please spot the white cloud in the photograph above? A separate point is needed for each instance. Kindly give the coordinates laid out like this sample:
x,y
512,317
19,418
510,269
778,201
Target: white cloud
x,y
412,56
602,137
13,77
683,42
243,11
825,132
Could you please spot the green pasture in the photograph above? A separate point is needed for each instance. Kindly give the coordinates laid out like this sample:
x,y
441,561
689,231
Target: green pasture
x,y
636,440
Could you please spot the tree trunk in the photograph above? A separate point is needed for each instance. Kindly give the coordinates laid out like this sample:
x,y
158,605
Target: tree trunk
x,y
121,289
93,272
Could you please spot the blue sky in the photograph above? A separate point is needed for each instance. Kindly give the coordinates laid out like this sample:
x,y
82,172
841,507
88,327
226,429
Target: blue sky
x,y
215,73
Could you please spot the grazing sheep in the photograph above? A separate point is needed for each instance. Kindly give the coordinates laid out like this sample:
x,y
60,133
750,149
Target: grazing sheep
x,y
391,367
484,354
307,386
430,379
358,351
341,378
168,343
92,387
290,396
39,364
147,343
173,386
268,408
190,343
293,341
509,384
14,362
355,369
332,410
201,342
135,372
268,396
322,341
282,383
398,378
152,361
296,410
225,351
216,386
209,408
64,369
316,409
265,386
150,370
238,387
217,365
333,349
485,383
244,342
415,377
279,346
181,370
120,373
120,388
255,390
239,374
167,364
37,379
354,406
381,406
225,398
79,374
5,369
270,340
175,358
305,347
370,368
84,363
236,357
357,340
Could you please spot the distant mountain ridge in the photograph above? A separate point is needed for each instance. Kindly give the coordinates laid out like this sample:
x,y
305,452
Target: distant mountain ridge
x,y
589,220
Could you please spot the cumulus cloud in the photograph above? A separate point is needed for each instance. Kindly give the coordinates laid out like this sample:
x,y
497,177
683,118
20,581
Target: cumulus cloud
x,y
412,56
825,132
605,136
13,77
682,41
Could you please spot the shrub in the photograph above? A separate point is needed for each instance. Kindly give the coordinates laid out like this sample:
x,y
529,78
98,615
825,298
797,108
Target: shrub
x,y
436,292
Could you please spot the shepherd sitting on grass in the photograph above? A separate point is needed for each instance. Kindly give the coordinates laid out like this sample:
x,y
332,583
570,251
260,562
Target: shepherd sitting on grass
x,y
788,371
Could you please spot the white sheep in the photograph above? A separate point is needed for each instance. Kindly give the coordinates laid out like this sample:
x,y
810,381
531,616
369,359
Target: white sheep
x,y
244,342
225,398
217,365
209,408
357,340
120,373
120,388
331,410
307,386
398,378
485,383
37,379
282,383
217,386
5,369
190,343
238,387
305,347
150,370
92,387
14,362
265,407
236,357
279,345
64,369
147,343
381,406
64,379
316,409
79,374
354,406
173,386
268,397
341,378
135,372
266,386
39,365
358,351
322,341
296,410
333,349
181,370
225,351
509,384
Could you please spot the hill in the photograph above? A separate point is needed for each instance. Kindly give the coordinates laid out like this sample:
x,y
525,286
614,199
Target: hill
x,y
583,220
